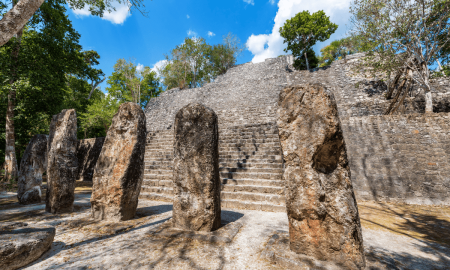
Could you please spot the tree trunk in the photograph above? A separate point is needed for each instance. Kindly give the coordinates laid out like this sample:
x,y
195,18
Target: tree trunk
x,y
16,18
307,63
428,98
10,165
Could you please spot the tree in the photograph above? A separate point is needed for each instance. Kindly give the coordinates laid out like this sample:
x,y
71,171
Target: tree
x,y
409,36
194,63
223,56
303,64
15,19
303,30
127,83
98,116
187,65
37,79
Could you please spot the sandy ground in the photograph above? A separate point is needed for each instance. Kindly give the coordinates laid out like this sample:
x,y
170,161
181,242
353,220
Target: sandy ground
x,y
395,237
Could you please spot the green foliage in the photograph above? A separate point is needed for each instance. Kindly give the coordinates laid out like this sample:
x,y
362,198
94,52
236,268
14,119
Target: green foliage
x,y
96,120
194,63
126,84
302,31
50,63
300,63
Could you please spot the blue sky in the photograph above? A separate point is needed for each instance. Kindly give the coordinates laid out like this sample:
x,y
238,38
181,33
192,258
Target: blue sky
x,y
122,34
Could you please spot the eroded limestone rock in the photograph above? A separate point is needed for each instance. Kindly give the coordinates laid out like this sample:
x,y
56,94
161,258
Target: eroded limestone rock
x,y
119,171
88,151
321,207
21,245
32,166
196,203
62,162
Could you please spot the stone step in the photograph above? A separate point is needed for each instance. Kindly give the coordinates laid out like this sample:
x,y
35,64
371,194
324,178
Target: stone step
x,y
227,137
252,153
158,171
251,205
167,191
148,176
251,175
158,163
253,189
155,197
255,197
239,164
251,169
249,161
167,167
252,157
238,139
155,158
157,183
253,182
249,146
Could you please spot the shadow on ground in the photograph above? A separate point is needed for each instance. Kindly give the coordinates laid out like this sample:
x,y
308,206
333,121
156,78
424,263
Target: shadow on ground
x,y
427,226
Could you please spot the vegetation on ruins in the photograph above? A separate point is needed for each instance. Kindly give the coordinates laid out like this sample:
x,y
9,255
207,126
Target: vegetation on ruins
x,y
15,19
340,48
302,31
36,83
409,36
194,62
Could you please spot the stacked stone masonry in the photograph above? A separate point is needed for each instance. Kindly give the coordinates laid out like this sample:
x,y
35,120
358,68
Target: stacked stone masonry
x,y
389,161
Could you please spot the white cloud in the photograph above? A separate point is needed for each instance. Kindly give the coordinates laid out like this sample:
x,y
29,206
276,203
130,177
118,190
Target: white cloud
x,y
251,2
191,33
159,64
269,46
140,67
117,17
211,34
187,16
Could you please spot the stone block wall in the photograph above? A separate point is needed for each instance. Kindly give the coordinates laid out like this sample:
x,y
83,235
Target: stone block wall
x,y
88,151
402,158
392,158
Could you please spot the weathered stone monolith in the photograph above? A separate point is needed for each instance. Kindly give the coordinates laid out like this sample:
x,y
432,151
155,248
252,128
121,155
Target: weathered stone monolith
x,y
119,171
88,151
321,207
196,203
32,166
62,162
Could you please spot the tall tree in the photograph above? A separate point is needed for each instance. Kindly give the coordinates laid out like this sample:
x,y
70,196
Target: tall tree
x,y
409,36
303,30
49,52
194,63
15,19
128,83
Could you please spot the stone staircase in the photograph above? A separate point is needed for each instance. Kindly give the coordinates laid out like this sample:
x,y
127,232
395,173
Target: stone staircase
x,y
251,167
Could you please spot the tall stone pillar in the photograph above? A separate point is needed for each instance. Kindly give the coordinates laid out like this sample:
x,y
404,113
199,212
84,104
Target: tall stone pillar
x,y
62,162
119,171
32,166
321,207
196,203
